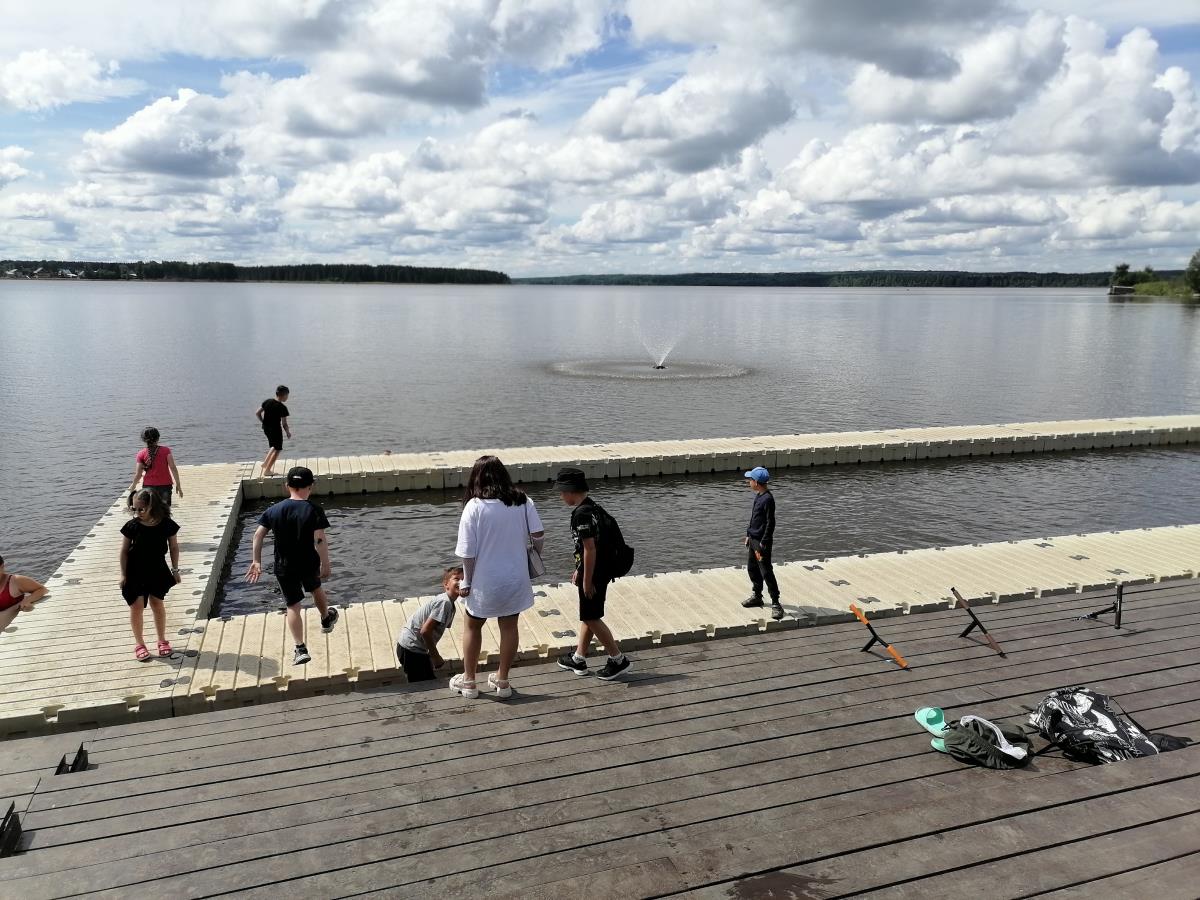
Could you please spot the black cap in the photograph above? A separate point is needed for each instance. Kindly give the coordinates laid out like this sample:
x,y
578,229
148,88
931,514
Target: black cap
x,y
571,480
300,477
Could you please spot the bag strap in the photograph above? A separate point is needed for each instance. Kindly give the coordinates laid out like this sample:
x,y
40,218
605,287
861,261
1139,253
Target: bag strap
x,y
1140,727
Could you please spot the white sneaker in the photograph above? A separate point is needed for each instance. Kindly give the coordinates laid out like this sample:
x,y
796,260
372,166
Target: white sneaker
x,y
502,688
460,685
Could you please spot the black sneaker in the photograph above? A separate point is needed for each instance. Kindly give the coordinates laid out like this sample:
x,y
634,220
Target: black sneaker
x,y
329,619
752,602
568,662
300,657
777,611
612,669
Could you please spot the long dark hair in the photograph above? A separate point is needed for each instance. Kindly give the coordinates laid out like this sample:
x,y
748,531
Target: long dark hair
x,y
490,481
150,436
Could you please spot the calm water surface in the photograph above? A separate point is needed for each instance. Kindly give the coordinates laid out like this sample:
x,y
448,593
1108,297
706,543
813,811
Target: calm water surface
x,y
84,367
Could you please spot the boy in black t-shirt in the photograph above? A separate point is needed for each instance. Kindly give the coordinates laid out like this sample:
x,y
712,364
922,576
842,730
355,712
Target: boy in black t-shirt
x,y
590,578
274,417
301,555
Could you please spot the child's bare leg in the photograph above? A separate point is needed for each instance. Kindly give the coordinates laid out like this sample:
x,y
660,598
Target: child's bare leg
x,y
7,616
159,610
321,601
269,461
135,621
585,640
296,623
509,641
604,636
472,641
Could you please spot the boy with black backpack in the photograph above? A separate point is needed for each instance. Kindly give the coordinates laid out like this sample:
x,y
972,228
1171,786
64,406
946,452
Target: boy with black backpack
x,y
600,555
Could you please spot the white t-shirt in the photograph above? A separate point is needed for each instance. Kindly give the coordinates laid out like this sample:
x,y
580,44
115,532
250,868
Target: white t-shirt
x,y
496,536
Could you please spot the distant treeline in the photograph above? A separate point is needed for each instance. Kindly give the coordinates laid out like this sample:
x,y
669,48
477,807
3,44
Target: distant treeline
x,y
169,270
870,278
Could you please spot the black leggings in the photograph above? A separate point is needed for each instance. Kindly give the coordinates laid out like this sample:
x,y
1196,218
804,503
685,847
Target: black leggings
x,y
761,570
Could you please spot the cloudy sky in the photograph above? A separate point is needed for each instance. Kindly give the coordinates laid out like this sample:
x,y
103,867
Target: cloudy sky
x,y
562,136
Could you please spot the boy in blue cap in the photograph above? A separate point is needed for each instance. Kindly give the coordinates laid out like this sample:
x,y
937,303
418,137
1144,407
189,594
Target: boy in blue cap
x,y
759,535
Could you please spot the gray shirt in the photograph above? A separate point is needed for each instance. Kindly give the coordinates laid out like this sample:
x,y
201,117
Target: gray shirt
x,y
440,609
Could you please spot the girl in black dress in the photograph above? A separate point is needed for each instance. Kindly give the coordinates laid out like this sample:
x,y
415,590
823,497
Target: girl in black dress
x,y
145,576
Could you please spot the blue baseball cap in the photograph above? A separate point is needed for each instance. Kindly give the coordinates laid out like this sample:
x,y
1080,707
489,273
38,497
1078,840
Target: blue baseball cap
x,y
759,474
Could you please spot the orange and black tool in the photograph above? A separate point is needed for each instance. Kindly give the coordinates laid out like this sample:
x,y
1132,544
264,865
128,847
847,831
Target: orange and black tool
x,y
876,639
975,623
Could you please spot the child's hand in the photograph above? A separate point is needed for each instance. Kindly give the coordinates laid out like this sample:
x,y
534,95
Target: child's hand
x,y
26,606
326,571
589,589
252,574
178,578
746,541
575,577
436,659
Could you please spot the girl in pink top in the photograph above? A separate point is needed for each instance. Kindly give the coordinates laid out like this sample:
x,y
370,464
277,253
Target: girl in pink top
x,y
155,468
17,595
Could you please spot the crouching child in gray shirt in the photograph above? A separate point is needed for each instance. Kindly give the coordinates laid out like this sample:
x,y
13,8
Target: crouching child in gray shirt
x,y
416,647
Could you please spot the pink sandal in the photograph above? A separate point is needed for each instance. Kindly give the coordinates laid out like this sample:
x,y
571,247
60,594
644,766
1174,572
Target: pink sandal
x,y
141,652
164,648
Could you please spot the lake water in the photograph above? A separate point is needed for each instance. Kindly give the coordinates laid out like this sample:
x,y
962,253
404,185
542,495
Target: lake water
x,y
85,366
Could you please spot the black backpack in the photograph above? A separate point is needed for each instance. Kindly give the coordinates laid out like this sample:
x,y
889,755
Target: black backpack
x,y
1083,723
616,556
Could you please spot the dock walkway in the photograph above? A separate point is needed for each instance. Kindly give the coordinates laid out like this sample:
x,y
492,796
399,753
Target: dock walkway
x,y
69,663
784,764
446,470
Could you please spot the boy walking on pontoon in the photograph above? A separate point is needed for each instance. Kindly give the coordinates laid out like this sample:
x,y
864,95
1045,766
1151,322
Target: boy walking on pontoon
x,y
274,417
759,535
301,555
591,577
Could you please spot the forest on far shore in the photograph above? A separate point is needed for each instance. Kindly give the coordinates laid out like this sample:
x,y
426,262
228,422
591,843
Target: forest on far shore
x,y
168,270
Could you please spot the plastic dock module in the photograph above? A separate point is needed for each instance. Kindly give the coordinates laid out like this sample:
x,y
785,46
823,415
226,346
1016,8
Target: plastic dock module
x,y
69,663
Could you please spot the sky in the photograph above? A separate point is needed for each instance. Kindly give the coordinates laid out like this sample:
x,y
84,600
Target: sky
x,y
544,137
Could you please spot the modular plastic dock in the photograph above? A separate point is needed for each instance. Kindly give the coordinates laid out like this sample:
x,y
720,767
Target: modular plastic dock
x,y
69,663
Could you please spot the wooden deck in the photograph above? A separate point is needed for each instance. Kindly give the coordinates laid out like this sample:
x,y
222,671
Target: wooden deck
x,y
778,765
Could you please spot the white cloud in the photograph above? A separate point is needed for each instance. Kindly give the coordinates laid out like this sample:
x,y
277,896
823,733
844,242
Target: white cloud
x,y
706,117
996,74
911,39
182,137
543,135
43,79
10,164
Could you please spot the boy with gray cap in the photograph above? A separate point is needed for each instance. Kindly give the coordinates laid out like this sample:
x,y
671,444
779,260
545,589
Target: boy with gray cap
x,y
301,555
759,535
591,577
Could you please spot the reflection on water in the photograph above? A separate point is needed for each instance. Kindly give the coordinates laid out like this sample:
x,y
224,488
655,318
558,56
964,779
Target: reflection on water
x,y
395,545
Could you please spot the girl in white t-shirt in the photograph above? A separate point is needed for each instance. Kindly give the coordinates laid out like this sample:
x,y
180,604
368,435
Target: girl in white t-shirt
x,y
497,525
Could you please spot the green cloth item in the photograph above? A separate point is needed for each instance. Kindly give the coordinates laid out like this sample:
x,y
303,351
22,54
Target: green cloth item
x,y
939,745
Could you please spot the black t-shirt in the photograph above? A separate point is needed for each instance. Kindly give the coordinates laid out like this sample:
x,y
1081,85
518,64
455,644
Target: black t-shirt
x,y
585,523
274,413
148,544
294,522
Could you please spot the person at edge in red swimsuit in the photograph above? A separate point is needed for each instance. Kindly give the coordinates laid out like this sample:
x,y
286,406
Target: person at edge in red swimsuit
x,y
17,594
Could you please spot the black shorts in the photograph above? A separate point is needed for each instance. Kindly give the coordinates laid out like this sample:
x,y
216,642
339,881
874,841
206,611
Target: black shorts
x,y
274,437
593,609
294,586
416,666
